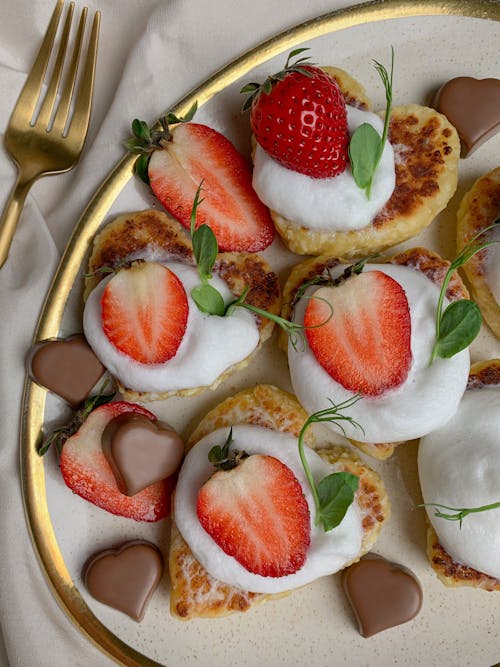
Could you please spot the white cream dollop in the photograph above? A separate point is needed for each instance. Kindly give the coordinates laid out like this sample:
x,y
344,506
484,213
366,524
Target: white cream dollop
x,y
326,204
423,402
328,552
210,345
458,466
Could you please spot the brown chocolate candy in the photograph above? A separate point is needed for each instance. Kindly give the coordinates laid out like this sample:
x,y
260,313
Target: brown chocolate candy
x,y
382,594
473,107
68,367
140,451
125,578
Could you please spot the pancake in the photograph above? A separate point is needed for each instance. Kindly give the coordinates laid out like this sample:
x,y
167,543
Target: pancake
x,y
479,208
159,237
194,592
450,572
426,261
426,149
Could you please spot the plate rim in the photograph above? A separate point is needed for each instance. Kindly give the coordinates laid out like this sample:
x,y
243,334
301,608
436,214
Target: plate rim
x,y
33,403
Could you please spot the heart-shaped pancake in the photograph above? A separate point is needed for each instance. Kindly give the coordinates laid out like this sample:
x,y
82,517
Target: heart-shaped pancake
x,y
382,594
140,451
473,107
68,367
125,578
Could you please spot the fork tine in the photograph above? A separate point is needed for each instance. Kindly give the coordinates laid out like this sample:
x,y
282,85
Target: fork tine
x,y
50,95
83,101
29,95
61,116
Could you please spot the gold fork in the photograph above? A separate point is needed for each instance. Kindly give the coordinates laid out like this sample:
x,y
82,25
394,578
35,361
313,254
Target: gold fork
x,y
46,136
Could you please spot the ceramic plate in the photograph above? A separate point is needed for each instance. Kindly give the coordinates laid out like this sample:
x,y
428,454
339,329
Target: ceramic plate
x,y
433,42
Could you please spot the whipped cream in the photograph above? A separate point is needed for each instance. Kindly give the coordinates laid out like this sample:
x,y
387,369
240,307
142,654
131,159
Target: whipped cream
x,y
328,552
326,204
458,466
210,346
423,402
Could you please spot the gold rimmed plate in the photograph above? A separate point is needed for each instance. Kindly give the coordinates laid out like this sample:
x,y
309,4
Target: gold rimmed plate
x,y
433,42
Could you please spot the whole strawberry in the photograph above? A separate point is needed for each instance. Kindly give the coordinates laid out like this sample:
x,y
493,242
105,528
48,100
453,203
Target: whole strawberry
x,y
299,118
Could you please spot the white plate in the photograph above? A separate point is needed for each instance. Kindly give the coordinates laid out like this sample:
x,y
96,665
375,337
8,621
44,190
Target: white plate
x,y
314,625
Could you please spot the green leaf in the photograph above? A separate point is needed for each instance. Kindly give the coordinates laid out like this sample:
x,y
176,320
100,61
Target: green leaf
x,y
208,299
250,88
460,324
205,250
141,167
367,150
141,129
135,145
364,150
336,494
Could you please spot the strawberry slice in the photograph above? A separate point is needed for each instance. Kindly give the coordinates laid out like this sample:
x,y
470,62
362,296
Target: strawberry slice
x,y
365,345
257,513
230,207
88,474
144,312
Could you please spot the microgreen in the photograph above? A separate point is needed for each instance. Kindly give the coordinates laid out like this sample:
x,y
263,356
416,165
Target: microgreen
x,y
146,140
208,298
366,145
205,249
458,513
293,330
459,324
335,493
256,88
59,436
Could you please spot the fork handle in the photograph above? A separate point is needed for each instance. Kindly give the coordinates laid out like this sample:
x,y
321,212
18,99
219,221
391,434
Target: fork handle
x,y
11,214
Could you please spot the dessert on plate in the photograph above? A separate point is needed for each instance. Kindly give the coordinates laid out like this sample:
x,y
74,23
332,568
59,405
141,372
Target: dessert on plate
x,y
480,208
457,467
143,323
339,179
206,581
377,345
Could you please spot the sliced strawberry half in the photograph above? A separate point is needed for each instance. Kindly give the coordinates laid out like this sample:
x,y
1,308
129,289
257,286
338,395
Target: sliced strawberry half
x,y
365,345
144,312
88,474
257,513
197,153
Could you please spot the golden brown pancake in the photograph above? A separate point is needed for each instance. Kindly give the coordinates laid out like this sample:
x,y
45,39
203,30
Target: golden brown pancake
x,y
451,573
426,261
194,592
427,151
158,236
479,208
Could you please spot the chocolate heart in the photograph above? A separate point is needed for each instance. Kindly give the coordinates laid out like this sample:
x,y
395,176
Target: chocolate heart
x,y
473,107
140,451
382,594
68,367
125,578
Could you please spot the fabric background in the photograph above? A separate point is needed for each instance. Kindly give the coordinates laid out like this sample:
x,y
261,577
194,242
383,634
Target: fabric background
x,y
151,52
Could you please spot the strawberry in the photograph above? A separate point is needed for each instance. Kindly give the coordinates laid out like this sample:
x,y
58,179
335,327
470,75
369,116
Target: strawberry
x,y
299,118
257,513
194,154
144,312
88,474
365,345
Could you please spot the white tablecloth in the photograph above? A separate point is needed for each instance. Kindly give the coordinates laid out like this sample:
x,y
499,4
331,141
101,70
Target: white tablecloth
x,y
151,53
